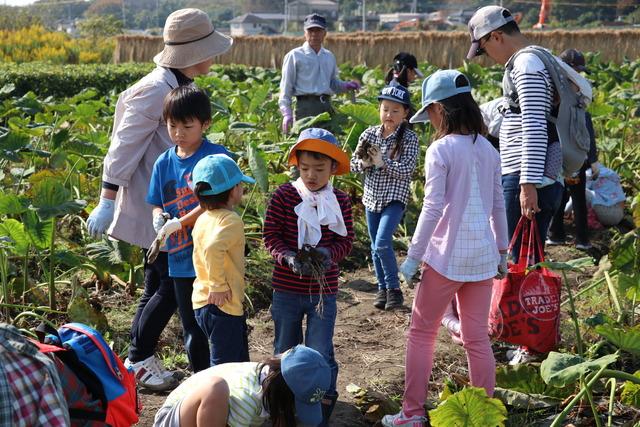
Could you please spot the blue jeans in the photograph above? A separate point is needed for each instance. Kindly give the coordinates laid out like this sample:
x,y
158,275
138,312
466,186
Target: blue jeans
x,y
381,226
288,311
228,334
549,199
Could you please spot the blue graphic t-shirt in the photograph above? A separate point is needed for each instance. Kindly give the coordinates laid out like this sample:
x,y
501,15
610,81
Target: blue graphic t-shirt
x,y
169,188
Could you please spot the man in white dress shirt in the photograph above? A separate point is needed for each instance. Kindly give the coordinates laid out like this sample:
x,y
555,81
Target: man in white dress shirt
x,y
310,74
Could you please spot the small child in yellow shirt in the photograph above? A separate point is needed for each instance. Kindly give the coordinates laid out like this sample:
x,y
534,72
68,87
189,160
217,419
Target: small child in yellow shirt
x,y
218,258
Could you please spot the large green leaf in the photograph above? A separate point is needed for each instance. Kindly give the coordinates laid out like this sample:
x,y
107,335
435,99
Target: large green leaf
x,y
635,208
631,393
623,252
470,407
629,284
308,122
526,379
10,145
577,264
14,230
626,339
258,166
525,401
109,254
563,369
50,199
258,96
12,204
38,230
366,114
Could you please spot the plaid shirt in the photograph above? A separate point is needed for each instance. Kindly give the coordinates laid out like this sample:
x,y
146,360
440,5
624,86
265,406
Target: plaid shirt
x,y
390,183
30,390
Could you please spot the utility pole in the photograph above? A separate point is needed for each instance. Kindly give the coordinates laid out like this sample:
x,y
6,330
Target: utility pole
x,y
286,17
158,13
364,15
124,17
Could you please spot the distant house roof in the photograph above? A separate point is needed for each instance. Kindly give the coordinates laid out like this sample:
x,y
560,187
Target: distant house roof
x,y
271,16
247,18
326,3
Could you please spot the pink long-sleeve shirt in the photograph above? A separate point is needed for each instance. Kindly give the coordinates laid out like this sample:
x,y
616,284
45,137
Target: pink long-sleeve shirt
x,y
448,168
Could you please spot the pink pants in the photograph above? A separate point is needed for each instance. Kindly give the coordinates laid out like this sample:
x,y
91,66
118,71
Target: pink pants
x,y
432,296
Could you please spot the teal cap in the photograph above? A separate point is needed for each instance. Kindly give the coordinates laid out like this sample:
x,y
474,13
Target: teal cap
x,y
220,172
440,85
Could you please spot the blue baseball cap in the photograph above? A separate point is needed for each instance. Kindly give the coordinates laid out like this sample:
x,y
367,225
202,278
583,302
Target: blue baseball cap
x,y
220,172
395,92
308,375
321,141
438,86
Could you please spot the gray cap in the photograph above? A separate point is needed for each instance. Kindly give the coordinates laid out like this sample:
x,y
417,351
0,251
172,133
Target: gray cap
x,y
485,20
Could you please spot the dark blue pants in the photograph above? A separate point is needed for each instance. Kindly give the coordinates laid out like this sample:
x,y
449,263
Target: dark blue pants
x,y
156,306
227,334
549,199
288,311
195,341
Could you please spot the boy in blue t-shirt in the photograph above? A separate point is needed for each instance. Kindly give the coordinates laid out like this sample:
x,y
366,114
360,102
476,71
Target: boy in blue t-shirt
x,y
187,111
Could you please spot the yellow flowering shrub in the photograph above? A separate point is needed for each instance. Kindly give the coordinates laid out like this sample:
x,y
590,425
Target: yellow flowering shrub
x,y
36,43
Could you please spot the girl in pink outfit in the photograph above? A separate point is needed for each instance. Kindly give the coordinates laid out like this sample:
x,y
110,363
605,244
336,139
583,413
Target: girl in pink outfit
x,y
460,239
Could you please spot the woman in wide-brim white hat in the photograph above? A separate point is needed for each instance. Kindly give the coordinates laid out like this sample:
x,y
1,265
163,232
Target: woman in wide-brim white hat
x,y
189,39
139,137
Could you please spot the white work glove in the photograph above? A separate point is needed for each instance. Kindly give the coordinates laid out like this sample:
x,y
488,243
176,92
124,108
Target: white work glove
x,y
595,170
101,217
502,267
159,219
170,227
376,156
287,119
409,268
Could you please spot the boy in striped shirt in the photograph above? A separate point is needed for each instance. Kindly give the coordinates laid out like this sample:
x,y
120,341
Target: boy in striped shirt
x,y
309,213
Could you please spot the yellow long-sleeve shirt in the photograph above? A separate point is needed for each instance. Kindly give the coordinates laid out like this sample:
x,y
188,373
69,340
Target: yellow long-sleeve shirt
x,y
218,258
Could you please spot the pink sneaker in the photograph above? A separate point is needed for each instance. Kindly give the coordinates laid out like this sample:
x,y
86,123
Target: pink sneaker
x,y
400,419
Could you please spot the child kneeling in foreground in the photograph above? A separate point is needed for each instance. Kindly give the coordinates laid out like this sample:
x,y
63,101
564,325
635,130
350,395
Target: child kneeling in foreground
x,y
308,229
460,239
246,394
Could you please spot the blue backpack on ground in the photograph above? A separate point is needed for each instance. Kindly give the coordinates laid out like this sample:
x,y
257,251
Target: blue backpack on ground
x,y
98,387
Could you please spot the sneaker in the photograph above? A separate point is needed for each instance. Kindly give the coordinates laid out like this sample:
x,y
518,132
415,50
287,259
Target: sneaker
x,y
178,375
519,356
552,241
400,419
584,246
394,299
381,299
151,375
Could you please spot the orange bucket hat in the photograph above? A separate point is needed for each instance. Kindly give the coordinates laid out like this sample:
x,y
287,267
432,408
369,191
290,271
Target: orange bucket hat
x,y
321,141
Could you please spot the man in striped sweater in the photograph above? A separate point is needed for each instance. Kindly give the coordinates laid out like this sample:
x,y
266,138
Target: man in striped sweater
x,y
530,149
308,218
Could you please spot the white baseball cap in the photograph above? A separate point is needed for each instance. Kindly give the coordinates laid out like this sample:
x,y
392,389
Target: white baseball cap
x,y
485,20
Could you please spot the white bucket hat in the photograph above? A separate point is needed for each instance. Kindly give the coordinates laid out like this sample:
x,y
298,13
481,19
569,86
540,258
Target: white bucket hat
x,y
189,39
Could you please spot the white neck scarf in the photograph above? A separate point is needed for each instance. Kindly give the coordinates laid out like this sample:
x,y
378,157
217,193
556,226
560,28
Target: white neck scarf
x,y
316,209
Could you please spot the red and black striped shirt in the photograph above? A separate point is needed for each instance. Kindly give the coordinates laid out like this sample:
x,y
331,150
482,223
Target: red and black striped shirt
x,y
280,236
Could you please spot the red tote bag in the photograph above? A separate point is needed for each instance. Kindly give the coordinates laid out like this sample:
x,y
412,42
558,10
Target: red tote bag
x,y
525,306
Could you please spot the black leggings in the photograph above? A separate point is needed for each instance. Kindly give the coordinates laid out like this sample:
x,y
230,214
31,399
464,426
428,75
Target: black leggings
x,y
156,306
579,202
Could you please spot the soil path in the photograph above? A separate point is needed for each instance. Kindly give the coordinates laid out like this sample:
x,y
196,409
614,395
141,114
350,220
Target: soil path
x,y
369,346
